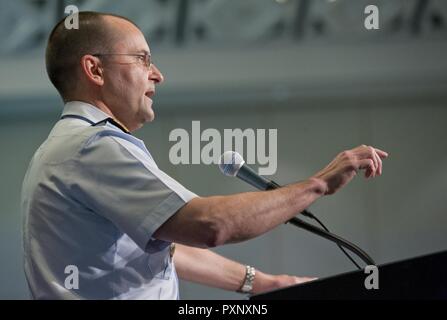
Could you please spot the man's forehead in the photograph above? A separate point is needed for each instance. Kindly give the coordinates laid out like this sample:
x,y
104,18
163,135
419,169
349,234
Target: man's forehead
x,y
130,37
132,47
120,22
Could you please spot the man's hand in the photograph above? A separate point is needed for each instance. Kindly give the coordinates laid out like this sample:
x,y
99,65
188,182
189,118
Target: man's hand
x,y
266,282
346,165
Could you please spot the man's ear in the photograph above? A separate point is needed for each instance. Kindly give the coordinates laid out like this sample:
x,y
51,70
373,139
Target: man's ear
x,y
92,69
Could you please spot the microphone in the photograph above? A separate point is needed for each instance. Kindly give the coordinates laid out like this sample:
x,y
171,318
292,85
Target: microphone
x,y
232,164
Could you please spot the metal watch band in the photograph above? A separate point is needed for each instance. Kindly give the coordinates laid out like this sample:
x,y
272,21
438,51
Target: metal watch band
x,y
247,286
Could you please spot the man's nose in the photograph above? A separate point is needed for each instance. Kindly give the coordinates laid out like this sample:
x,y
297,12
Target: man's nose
x,y
155,74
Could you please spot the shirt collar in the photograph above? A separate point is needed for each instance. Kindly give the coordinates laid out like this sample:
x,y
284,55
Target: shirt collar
x,y
91,113
84,109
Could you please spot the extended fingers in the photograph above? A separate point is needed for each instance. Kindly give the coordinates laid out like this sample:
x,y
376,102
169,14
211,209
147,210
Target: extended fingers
x,y
379,155
367,164
378,163
382,154
375,155
303,279
365,159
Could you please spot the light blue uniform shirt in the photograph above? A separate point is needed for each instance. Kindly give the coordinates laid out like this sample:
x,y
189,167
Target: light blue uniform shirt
x,y
92,198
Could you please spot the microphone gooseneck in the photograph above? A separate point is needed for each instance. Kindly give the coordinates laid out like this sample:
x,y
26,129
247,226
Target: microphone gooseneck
x,y
232,164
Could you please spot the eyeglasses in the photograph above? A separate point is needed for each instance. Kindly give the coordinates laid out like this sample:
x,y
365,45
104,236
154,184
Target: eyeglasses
x,y
143,58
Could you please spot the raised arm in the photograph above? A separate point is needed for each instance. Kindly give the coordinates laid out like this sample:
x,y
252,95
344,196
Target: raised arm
x,y
217,220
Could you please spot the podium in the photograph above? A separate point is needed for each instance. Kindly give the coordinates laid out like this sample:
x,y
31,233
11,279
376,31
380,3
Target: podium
x,y
423,277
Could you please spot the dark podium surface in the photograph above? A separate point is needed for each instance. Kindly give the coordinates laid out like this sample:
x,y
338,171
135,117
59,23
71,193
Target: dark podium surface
x,y
423,277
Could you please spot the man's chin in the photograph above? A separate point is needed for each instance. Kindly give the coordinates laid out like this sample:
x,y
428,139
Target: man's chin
x,y
147,113
150,116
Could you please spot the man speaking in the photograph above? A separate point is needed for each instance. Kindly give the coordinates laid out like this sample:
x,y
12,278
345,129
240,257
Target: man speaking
x,y
95,201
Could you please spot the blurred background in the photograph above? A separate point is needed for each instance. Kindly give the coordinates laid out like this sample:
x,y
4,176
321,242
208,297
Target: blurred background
x,y
307,68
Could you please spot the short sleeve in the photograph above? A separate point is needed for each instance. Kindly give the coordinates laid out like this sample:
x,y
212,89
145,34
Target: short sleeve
x,y
116,180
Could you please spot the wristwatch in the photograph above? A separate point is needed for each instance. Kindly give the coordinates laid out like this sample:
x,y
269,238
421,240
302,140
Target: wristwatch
x,y
247,286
